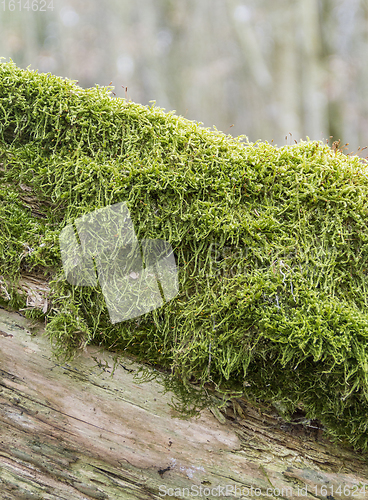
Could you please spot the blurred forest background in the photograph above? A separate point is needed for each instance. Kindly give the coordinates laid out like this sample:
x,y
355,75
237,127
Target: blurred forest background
x,y
263,68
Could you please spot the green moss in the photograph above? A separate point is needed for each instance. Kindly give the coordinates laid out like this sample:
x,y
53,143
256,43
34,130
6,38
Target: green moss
x,y
270,244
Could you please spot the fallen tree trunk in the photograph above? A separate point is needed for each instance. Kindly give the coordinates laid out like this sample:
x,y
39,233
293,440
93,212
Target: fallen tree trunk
x,y
79,431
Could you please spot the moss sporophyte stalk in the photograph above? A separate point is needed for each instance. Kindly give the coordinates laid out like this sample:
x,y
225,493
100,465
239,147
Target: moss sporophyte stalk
x,y
270,244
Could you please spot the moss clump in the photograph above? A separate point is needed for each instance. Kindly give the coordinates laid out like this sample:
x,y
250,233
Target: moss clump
x,y
271,244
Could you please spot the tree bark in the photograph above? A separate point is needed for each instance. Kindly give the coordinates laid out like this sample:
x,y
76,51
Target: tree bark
x,y
79,430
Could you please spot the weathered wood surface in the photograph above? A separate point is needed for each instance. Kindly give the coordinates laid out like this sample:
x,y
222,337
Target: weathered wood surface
x,y
73,431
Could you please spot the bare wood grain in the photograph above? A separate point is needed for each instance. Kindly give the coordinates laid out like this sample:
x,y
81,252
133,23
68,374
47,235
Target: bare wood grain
x,y
75,431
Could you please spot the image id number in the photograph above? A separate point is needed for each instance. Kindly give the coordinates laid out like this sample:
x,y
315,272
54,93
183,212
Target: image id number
x,y
35,5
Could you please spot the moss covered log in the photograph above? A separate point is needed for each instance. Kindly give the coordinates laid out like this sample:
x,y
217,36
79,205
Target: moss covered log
x,y
270,244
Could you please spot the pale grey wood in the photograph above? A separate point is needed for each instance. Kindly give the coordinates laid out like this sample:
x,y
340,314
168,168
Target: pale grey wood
x,y
75,431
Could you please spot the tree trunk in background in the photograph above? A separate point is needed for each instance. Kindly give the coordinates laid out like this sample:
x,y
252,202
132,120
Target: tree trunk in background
x,y
286,68
314,102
